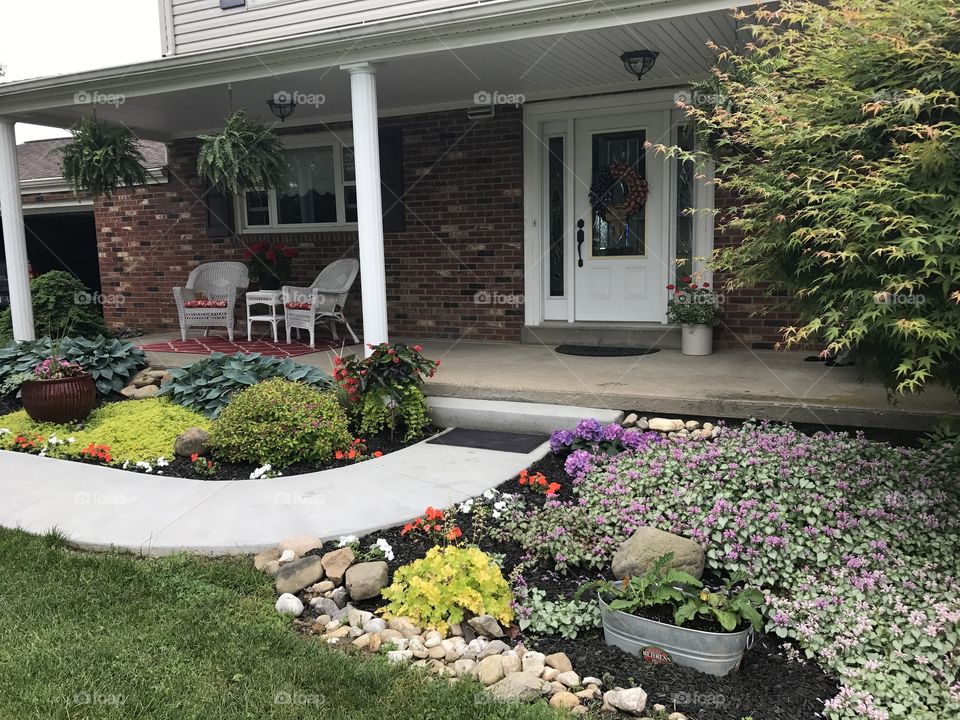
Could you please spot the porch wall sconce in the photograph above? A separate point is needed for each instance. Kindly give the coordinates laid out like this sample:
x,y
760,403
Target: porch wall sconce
x,y
282,105
639,62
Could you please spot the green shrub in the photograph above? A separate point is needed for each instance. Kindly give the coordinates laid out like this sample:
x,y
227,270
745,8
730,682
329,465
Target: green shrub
x,y
134,430
447,586
207,385
280,422
62,305
837,128
112,362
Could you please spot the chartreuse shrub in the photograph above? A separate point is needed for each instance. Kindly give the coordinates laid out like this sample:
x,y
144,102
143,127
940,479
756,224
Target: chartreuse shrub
x,y
856,545
133,430
448,585
62,305
279,422
837,128
110,361
207,385
384,389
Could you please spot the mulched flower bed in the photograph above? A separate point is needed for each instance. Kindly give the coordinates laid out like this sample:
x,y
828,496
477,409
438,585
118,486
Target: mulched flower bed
x,y
767,686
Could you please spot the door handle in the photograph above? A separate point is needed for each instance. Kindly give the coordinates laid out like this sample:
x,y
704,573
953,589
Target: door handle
x,y
580,243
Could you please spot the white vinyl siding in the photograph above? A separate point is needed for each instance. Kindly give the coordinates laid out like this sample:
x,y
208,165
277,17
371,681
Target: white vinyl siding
x,y
201,24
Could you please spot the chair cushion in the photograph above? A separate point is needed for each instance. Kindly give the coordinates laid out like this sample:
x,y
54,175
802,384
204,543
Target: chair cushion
x,y
205,303
298,305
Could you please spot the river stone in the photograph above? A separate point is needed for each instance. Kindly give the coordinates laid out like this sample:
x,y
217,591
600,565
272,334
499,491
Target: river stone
x,y
486,625
569,678
301,544
493,648
336,562
489,670
641,550
463,666
374,625
190,441
534,662
357,617
564,700
286,557
665,424
436,653
261,559
288,604
432,639
325,606
631,700
511,664
366,580
630,420
399,656
560,661
340,596
295,576
517,687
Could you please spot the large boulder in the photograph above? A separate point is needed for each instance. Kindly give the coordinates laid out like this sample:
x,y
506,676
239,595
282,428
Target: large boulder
x,y
641,550
192,440
336,562
366,580
294,577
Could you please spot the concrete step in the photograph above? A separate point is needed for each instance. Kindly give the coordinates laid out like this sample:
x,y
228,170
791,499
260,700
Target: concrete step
x,y
603,334
508,416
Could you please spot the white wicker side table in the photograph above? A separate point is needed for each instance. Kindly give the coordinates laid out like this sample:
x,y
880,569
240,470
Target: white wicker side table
x,y
273,299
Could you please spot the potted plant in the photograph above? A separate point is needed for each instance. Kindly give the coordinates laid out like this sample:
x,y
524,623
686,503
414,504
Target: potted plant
x,y
245,155
645,615
697,309
101,158
59,391
269,264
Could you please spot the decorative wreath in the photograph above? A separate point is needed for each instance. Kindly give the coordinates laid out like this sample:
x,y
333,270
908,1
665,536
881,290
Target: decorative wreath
x,y
603,189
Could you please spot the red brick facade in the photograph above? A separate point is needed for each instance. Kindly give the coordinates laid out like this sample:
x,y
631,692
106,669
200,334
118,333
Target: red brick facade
x,y
464,236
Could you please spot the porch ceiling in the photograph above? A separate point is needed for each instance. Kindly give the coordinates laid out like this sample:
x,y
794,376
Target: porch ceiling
x,y
545,66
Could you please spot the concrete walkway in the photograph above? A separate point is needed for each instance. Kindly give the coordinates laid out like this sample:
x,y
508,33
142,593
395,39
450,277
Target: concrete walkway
x,y
728,384
98,507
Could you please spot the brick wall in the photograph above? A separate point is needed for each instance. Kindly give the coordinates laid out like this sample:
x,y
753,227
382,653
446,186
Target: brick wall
x,y
464,228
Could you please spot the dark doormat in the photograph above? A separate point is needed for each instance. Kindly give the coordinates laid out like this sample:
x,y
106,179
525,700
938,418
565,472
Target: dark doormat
x,y
600,351
490,440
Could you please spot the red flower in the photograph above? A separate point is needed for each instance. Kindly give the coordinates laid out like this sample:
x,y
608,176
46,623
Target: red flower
x,y
685,279
193,458
377,453
552,488
418,348
271,255
705,285
454,533
693,286
671,287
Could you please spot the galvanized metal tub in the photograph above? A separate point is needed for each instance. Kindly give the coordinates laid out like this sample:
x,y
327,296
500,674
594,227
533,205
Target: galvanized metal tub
x,y
709,652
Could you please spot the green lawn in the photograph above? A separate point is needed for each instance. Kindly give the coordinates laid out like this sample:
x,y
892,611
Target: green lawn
x,y
104,636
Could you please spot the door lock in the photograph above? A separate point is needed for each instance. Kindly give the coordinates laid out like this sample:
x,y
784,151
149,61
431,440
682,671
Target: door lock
x,y
580,243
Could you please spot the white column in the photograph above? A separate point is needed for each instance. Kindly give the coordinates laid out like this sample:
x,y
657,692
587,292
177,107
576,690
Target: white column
x,y
366,150
14,235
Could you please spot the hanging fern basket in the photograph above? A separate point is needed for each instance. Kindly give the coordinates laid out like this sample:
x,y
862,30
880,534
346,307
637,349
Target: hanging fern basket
x,y
101,158
245,155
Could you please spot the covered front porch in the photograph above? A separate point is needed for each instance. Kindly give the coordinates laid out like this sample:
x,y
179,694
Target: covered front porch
x,y
488,239
735,384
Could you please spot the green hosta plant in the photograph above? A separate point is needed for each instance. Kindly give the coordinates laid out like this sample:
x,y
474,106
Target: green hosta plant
x,y
207,385
110,361
447,586
245,155
101,158
837,131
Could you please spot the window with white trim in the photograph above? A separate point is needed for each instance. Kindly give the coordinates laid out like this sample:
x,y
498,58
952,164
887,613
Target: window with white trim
x,y
318,190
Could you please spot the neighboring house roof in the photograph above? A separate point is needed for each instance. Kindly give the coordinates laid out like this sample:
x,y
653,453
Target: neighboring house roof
x,y
40,159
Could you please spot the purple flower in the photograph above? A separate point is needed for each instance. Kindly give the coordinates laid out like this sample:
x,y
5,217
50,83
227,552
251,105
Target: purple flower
x,y
590,430
612,432
561,440
579,462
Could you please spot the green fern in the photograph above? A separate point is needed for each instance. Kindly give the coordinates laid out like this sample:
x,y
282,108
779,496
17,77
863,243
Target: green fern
x,y
245,155
101,158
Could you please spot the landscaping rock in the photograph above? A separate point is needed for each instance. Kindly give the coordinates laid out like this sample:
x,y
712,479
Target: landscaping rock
x,y
366,580
676,716
486,625
631,701
405,626
340,596
148,391
436,653
362,642
590,680
357,618
261,559
288,604
324,586
496,647
630,420
639,552
417,647
300,544
128,391
518,687
325,606
665,425
399,656
463,667
193,440
297,575
549,674
286,557
643,423
564,700
489,670
533,662
336,562
559,660
374,625
569,678
432,639
511,664
691,425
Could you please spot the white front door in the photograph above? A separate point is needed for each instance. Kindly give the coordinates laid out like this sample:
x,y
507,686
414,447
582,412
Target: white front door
x,y
622,248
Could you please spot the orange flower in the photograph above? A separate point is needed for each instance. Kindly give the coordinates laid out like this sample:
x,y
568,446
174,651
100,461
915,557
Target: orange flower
x,y
552,488
338,454
377,453
454,533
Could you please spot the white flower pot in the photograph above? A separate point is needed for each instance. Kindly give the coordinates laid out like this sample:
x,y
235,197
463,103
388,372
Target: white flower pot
x,y
696,339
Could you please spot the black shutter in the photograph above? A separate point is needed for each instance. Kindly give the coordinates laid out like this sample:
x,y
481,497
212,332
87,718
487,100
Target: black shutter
x,y
228,4
391,179
218,213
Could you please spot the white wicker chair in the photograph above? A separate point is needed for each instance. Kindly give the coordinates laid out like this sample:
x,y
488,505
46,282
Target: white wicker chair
x,y
325,299
210,296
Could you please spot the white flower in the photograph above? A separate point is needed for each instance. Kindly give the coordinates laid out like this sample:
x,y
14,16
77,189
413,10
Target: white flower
x,y
385,548
500,505
145,466
347,540
490,494
162,461
54,440
265,471
4,431
126,463
71,440
467,506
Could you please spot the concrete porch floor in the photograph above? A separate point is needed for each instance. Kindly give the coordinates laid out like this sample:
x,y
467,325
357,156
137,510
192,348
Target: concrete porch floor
x,y
728,384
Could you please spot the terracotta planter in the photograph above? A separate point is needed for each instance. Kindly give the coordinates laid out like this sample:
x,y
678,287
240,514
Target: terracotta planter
x,y
59,401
